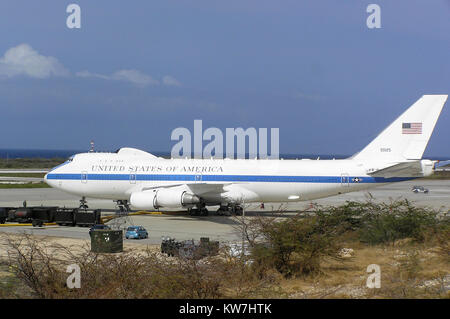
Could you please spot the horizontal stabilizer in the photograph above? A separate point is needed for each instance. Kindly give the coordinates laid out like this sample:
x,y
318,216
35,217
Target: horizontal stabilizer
x,y
443,164
406,169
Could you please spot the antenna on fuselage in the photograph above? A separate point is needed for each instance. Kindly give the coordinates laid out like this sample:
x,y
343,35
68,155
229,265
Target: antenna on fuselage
x,y
91,150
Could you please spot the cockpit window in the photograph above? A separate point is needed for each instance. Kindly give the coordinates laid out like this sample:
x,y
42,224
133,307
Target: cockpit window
x,y
70,159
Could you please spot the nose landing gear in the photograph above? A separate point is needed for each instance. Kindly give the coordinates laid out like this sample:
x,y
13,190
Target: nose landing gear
x,y
83,203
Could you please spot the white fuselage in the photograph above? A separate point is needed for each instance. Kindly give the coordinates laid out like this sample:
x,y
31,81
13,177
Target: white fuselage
x,y
149,182
116,176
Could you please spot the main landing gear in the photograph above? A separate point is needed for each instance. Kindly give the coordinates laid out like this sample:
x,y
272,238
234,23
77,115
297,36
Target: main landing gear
x,y
123,206
230,210
198,211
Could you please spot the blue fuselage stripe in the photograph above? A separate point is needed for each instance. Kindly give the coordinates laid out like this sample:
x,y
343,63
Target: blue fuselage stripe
x,y
227,178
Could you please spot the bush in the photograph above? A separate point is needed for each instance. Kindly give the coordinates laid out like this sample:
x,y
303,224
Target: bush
x,y
42,267
345,218
377,223
386,223
440,237
295,246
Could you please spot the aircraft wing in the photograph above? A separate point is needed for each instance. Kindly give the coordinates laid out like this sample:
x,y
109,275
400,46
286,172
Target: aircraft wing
x,y
197,188
407,169
202,188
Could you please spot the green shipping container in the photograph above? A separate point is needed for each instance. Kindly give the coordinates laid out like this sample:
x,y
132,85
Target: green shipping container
x,y
106,241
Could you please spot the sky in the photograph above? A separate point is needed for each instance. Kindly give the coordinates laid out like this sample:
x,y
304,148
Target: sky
x,y
137,70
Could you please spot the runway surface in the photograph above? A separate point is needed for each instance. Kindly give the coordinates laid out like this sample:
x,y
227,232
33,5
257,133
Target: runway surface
x,y
220,228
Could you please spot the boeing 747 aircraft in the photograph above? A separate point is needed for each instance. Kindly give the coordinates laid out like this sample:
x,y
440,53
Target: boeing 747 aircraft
x,y
131,176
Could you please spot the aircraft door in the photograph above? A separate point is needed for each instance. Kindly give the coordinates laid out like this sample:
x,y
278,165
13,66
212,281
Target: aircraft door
x,y
132,178
198,178
345,180
84,176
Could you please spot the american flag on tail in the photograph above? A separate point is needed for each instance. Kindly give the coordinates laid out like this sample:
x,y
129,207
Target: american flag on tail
x,y
412,128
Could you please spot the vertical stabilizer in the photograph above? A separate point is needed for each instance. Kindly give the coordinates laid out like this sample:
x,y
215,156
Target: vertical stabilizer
x,y
407,137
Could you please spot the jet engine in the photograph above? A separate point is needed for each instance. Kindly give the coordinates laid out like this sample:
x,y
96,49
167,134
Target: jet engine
x,y
163,197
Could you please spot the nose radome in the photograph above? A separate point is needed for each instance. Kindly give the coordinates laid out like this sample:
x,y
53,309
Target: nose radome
x,y
48,181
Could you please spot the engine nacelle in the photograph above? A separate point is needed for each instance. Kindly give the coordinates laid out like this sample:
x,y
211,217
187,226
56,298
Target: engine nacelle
x,y
163,197
143,200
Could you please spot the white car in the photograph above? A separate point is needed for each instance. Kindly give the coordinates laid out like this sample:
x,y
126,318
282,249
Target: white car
x,y
420,189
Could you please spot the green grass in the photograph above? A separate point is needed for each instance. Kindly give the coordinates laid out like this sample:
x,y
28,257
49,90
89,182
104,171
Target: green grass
x,y
27,185
30,163
34,175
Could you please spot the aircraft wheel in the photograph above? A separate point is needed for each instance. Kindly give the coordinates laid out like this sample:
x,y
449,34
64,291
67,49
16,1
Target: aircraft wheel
x,y
193,212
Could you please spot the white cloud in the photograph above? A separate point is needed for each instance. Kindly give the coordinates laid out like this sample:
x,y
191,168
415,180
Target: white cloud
x,y
24,60
133,76
171,81
87,74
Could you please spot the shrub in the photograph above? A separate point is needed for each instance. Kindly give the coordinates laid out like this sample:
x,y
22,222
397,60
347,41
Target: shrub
x,y
42,267
294,246
386,223
378,223
297,245
344,218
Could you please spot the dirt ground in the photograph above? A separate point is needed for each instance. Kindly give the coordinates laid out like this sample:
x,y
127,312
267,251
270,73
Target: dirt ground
x,y
74,243
407,271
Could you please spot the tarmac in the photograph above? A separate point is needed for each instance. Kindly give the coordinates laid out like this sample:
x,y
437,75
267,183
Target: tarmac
x,y
225,229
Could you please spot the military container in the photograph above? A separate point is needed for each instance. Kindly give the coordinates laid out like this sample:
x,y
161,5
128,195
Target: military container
x,y
4,214
87,217
187,249
11,215
21,215
43,214
170,246
106,241
207,247
65,216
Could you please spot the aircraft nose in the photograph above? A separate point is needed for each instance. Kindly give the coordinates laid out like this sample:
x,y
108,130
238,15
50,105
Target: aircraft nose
x,y
48,180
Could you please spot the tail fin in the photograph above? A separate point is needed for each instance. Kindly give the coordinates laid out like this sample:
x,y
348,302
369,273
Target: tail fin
x,y
407,137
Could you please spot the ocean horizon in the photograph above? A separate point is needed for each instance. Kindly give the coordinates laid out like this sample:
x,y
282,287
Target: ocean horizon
x,y
41,153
